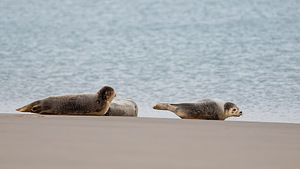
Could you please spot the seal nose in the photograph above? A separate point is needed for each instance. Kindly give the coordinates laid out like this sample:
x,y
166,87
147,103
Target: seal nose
x,y
241,112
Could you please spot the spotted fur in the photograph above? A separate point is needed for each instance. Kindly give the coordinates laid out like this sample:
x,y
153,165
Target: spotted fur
x,y
209,109
76,104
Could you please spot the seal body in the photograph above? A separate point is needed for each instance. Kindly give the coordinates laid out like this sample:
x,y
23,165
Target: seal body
x,y
122,107
76,104
209,109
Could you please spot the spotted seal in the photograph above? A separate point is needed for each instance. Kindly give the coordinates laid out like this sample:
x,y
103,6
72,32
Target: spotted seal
x,y
122,107
76,104
209,109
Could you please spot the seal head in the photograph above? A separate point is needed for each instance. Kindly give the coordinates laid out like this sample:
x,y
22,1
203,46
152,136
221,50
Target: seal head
x,y
106,93
231,110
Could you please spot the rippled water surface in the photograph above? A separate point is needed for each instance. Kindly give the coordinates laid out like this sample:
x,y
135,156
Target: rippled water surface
x,y
243,51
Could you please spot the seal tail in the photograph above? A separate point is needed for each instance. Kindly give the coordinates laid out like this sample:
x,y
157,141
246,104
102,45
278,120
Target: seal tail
x,y
164,106
28,107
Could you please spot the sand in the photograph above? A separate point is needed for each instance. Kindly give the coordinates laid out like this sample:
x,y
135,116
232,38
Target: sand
x,y
71,142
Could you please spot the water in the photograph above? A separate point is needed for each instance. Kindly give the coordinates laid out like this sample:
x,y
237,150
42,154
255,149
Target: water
x,y
247,52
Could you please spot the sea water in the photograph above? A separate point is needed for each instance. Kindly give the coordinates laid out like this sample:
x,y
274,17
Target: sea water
x,y
243,51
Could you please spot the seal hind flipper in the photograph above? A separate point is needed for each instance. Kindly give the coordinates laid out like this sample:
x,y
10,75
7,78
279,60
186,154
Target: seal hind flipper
x,y
165,106
171,107
33,107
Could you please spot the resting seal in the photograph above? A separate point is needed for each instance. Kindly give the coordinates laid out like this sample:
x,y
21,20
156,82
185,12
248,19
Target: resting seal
x,y
122,107
77,104
209,109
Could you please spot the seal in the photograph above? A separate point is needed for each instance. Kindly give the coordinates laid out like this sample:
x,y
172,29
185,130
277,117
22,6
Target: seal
x,y
76,104
122,107
209,109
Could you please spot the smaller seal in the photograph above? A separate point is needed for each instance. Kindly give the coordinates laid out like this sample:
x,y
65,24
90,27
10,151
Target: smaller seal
x,y
209,109
76,104
122,107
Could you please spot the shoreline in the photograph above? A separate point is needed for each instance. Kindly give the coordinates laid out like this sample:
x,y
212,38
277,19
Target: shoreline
x,y
231,119
49,141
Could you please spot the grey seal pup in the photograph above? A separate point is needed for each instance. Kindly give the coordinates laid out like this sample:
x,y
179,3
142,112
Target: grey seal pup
x,y
76,104
209,109
122,107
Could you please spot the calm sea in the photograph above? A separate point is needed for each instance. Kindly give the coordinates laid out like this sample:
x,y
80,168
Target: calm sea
x,y
244,51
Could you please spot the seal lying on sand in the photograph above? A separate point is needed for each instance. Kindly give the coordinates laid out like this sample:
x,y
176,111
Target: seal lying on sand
x,y
77,104
122,107
209,109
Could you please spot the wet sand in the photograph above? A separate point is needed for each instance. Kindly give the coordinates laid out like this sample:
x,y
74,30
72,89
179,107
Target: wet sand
x,y
71,142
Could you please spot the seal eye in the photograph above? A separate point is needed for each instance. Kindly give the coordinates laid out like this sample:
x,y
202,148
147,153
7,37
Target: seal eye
x,y
233,110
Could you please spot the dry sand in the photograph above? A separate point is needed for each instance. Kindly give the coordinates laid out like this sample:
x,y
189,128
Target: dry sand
x,y
71,142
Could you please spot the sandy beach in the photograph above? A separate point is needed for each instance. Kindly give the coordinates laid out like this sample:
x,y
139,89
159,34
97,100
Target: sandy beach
x,y
35,141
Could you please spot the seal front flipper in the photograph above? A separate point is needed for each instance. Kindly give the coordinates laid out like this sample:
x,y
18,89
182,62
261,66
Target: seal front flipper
x,y
33,107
